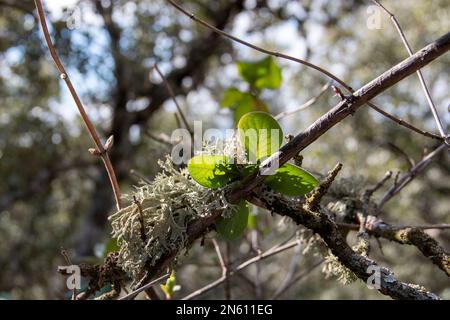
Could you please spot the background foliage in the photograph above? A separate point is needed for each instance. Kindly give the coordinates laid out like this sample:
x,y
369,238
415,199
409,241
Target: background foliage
x,y
53,193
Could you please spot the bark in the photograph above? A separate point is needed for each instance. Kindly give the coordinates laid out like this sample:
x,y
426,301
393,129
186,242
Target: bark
x,y
321,223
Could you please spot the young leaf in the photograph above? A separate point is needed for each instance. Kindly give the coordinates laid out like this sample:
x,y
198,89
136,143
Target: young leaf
x,y
261,74
241,103
243,108
232,227
251,221
170,287
212,171
260,134
291,180
232,97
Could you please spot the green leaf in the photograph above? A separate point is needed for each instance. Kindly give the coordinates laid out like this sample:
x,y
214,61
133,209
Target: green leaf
x,y
170,287
212,171
231,98
291,180
232,227
265,138
261,74
111,246
241,102
251,221
243,107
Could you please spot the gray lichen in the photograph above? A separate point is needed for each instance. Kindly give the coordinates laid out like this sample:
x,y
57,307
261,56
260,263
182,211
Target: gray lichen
x,y
332,267
157,223
314,245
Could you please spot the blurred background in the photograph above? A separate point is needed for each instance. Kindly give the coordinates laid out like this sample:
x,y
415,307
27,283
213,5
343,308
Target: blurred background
x,y
53,194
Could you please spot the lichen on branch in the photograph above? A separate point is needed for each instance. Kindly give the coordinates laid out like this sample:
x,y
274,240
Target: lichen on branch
x,y
156,220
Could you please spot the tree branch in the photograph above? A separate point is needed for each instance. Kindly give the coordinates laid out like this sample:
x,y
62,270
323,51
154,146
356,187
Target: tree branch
x,y
347,107
419,73
409,176
301,61
257,258
355,262
100,148
360,265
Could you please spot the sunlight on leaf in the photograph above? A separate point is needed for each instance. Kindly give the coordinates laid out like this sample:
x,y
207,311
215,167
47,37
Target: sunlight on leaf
x,y
212,171
260,134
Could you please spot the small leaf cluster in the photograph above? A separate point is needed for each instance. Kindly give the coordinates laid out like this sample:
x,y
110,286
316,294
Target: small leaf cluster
x,y
260,75
170,287
217,171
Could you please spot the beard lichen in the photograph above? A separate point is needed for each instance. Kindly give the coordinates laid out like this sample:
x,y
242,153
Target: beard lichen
x,y
157,219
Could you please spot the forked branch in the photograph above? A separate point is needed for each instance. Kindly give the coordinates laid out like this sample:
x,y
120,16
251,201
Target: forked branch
x,y
303,62
324,226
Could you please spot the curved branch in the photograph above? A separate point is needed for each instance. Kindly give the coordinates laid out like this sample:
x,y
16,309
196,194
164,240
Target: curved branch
x,y
429,247
360,265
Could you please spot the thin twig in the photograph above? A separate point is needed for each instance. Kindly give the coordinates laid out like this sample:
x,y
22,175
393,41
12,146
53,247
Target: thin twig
x,y
321,189
409,176
301,61
172,95
370,191
355,227
364,215
397,149
141,219
240,267
161,138
139,176
419,73
306,105
100,148
133,294
220,256
299,277
291,271
405,124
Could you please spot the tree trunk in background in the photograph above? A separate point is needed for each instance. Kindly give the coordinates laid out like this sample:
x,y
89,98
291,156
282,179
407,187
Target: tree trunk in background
x,y
92,225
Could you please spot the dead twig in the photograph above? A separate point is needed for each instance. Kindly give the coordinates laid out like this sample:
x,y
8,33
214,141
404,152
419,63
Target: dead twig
x,y
313,201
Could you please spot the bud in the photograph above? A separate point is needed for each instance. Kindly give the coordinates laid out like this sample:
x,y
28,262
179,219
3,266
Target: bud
x,y
109,143
94,152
